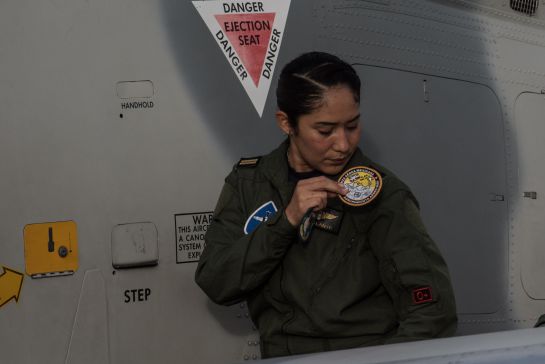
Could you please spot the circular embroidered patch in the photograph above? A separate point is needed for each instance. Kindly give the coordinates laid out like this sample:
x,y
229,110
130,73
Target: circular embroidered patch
x,y
363,184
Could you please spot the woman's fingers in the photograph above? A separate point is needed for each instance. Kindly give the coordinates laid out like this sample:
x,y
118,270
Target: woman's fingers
x,y
311,193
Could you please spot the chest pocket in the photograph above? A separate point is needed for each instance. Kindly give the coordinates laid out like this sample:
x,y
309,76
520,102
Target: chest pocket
x,y
363,264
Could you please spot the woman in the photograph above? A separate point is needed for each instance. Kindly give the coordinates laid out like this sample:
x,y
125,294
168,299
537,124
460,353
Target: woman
x,y
325,245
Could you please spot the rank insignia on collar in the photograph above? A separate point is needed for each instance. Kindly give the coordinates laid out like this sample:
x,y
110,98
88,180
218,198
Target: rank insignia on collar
x,y
329,220
363,184
248,162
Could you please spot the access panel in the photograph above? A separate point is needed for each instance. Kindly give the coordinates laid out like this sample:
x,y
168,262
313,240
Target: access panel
x,y
445,139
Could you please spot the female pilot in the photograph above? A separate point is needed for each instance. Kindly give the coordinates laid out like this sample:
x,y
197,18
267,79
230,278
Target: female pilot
x,y
322,264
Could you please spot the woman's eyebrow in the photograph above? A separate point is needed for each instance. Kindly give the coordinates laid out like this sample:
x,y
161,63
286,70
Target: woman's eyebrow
x,y
353,119
333,123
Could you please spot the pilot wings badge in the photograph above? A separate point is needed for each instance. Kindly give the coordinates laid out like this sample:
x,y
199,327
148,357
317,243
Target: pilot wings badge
x,y
329,220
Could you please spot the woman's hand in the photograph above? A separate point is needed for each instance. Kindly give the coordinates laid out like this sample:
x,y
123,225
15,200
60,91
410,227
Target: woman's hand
x,y
311,193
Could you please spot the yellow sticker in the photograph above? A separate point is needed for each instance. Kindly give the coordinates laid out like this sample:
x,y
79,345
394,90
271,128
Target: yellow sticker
x,y
51,249
363,184
10,285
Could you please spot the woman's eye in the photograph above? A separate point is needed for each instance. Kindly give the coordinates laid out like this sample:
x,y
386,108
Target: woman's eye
x,y
324,132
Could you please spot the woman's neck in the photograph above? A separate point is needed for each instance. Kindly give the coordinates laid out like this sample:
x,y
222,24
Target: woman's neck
x,y
295,161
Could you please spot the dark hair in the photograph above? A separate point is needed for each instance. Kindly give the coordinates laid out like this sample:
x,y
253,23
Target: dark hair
x,y
304,80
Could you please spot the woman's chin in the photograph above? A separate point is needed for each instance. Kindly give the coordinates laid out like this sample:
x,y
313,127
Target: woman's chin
x,y
332,169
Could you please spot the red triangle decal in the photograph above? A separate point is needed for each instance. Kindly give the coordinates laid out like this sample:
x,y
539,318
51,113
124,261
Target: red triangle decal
x,y
249,34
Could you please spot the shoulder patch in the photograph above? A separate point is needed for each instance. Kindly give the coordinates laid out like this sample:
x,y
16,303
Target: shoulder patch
x,y
261,214
363,184
248,162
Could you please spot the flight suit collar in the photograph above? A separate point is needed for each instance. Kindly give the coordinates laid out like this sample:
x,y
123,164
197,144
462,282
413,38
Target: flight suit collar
x,y
275,168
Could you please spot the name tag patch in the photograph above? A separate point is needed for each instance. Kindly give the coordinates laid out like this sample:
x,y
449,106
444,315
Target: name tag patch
x,y
326,219
260,215
329,220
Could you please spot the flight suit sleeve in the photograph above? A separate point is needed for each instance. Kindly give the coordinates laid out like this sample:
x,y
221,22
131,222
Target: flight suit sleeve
x,y
234,264
413,272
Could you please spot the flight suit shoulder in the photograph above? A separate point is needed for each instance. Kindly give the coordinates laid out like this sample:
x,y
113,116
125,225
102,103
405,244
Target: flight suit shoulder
x,y
393,185
246,169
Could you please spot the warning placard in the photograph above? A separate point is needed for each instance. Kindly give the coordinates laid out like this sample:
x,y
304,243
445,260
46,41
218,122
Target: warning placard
x,y
249,33
190,230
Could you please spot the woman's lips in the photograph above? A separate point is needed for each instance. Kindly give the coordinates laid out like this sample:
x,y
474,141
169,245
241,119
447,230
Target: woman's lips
x,y
338,161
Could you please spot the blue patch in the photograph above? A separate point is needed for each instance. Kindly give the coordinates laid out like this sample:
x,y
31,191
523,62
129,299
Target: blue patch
x,y
260,215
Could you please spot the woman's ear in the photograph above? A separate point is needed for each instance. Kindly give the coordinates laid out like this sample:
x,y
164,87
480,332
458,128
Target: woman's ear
x,y
283,122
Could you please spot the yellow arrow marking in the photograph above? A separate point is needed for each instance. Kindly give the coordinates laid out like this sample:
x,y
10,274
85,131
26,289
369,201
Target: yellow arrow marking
x,y
10,285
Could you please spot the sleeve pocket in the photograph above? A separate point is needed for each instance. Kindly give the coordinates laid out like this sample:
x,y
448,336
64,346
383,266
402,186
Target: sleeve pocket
x,y
415,276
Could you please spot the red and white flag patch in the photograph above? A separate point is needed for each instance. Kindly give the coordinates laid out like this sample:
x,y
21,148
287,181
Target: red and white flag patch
x,y
422,295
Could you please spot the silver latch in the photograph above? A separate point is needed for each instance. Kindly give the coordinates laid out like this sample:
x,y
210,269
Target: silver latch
x,y
496,197
426,91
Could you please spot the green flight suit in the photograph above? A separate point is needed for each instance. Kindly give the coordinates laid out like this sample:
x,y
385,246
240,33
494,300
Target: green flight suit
x,y
380,279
